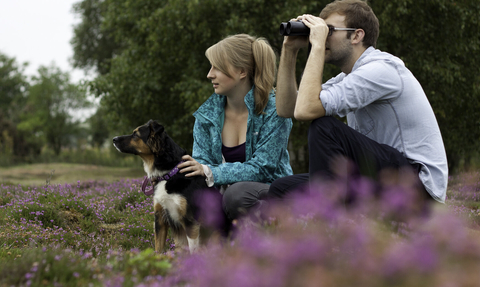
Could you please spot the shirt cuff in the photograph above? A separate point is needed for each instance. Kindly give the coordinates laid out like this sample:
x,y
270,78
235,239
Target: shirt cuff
x,y
324,99
208,175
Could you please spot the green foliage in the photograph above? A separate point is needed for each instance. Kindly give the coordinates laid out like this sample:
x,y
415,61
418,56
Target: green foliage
x,y
146,261
37,112
160,72
13,87
96,156
93,45
159,68
40,267
99,128
88,242
48,215
299,238
46,116
130,200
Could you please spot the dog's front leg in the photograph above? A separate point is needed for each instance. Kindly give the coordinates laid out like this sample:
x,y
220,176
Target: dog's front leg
x,y
161,228
193,237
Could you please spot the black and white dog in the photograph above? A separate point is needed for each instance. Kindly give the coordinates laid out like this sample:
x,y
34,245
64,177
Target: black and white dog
x,y
179,201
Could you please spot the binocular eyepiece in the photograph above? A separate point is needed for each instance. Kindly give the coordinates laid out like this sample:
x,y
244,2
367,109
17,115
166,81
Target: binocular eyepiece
x,y
294,28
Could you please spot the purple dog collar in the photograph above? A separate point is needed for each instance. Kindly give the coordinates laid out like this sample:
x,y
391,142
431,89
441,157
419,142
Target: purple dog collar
x,y
166,177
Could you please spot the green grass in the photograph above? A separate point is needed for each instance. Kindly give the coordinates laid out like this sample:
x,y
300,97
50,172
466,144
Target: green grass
x,y
60,173
91,225
87,226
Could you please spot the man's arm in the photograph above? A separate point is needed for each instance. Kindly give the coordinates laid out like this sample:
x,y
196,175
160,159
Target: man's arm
x,y
308,105
286,93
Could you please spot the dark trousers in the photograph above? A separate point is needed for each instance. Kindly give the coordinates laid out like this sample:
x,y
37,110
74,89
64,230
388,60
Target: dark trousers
x,y
244,197
330,141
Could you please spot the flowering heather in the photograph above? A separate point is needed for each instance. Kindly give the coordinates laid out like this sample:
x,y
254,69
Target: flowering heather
x,y
318,242
101,233
74,216
89,221
463,197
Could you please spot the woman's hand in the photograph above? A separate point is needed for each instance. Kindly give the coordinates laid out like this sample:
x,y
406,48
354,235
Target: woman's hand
x,y
191,167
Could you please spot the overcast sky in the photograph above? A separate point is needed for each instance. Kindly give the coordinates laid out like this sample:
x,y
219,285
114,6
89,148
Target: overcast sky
x,y
38,32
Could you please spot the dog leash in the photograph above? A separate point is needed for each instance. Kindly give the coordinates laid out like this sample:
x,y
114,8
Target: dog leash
x,y
147,181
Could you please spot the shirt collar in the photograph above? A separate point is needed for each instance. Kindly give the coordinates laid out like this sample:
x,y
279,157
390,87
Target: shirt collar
x,y
364,55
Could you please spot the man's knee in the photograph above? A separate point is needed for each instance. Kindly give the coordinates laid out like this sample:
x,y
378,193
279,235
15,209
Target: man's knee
x,y
324,124
321,130
278,188
283,186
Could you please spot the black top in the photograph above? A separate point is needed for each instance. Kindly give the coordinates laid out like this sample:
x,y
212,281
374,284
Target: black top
x,y
234,154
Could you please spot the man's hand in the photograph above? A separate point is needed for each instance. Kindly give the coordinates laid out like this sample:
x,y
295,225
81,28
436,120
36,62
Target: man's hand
x,y
318,29
295,43
191,166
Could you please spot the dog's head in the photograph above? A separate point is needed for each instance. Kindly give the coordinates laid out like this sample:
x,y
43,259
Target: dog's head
x,y
151,143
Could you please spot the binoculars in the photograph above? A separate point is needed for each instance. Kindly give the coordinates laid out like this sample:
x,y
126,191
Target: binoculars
x,y
294,28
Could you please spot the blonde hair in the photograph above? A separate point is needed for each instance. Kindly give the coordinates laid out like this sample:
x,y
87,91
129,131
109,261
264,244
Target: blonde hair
x,y
253,55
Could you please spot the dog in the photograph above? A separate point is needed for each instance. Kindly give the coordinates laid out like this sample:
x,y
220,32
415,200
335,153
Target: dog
x,y
177,199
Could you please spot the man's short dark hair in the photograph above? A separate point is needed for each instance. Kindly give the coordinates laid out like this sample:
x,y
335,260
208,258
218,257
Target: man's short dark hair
x,y
357,15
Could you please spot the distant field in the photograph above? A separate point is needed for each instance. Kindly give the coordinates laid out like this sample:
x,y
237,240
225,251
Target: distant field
x,y
60,173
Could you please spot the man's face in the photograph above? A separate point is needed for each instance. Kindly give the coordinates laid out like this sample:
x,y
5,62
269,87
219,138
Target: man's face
x,y
338,47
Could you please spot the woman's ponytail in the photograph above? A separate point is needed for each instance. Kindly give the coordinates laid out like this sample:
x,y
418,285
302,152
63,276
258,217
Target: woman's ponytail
x,y
252,54
264,72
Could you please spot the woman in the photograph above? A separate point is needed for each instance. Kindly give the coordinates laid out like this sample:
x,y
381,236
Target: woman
x,y
240,143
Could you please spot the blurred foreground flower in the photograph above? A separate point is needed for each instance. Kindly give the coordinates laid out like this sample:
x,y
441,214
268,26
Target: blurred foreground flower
x,y
382,239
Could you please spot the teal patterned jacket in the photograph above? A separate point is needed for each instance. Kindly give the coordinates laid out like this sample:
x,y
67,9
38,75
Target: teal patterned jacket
x,y
266,154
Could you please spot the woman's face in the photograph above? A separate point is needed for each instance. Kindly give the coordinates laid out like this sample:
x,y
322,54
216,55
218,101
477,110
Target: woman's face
x,y
223,84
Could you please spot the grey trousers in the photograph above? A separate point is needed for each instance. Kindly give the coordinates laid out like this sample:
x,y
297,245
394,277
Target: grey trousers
x,y
244,197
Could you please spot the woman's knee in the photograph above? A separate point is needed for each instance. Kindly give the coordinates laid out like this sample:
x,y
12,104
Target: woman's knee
x,y
232,197
240,197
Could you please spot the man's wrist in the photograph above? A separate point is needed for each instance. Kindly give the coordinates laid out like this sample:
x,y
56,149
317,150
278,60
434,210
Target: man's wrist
x,y
289,49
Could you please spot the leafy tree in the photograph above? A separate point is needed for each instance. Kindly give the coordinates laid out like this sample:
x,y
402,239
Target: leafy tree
x,y
93,45
159,70
98,128
47,115
13,87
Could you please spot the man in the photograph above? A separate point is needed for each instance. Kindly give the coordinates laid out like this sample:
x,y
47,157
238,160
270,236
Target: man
x,y
391,124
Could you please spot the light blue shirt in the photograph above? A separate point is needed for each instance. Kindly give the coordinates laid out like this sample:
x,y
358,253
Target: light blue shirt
x,y
384,101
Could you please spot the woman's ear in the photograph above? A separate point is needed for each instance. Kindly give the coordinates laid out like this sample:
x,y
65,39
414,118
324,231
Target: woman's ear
x,y
243,73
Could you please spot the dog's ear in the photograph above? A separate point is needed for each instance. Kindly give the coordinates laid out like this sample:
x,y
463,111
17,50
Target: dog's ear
x,y
155,138
155,127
